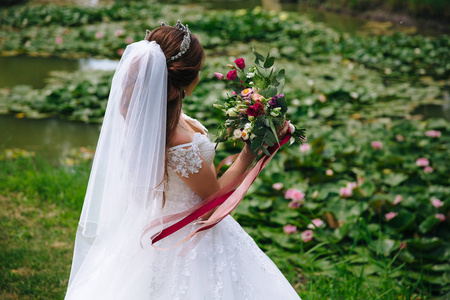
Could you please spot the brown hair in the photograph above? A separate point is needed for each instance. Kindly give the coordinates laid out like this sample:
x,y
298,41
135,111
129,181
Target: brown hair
x,y
181,72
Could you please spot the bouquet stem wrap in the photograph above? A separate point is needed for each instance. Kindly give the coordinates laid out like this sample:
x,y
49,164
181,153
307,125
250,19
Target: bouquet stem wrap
x,y
227,199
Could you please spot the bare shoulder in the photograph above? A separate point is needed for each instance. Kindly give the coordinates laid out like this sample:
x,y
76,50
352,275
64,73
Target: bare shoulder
x,y
180,137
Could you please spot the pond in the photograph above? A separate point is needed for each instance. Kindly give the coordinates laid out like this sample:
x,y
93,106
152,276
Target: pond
x,y
52,137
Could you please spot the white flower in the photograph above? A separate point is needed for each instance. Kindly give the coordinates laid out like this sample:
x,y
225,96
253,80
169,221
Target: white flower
x,y
248,126
250,75
291,128
310,82
232,112
237,133
354,95
245,135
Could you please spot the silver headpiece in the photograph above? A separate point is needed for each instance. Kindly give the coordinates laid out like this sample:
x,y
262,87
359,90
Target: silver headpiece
x,y
186,40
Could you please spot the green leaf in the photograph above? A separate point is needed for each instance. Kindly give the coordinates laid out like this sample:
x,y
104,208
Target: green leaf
x,y
258,56
269,62
394,179
266,152
428,224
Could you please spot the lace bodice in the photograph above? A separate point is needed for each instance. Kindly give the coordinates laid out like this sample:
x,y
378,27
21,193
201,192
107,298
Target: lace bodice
x,y
186,159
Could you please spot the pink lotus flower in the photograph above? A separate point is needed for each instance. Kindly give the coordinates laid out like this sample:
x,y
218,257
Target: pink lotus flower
x,y
440,217
390,215
120,51
351,185
290,229
98,35
398,199
240,63
118,32
322,98
400,137
422,162
307,235
433,133
345,192
428,169
231,75
59,40
294,204
129,40
305,147
436,202
277,186
220,77
329,172
294,195
376,145
315,223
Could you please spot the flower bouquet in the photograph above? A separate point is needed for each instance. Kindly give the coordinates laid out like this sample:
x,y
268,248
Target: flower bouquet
x,y
256,109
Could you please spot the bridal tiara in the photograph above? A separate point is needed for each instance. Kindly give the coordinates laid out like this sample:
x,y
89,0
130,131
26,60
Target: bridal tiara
x,y
184,44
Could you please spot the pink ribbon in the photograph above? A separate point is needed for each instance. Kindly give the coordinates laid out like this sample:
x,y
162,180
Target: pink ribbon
x,y
227,198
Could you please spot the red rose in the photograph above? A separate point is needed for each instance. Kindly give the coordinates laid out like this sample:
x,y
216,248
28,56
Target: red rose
x,y
255,110
232,75
240,63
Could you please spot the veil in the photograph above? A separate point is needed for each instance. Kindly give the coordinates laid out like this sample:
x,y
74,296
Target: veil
x,y
125,188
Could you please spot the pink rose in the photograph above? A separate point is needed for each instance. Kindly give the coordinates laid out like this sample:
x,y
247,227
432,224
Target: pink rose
x,y
256,97
436,202
290,229
345,192
440,217
428,169
422,162
120,51
219,76
129,40
59,40
305,147
329,172
118,32
398,199
277,186
376,145
307,235
433,133
256,109
294,204
315,223
240,63
231,75
98,35
390,215
322,98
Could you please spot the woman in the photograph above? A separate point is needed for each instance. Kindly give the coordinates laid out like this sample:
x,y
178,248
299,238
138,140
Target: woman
x,y
152,160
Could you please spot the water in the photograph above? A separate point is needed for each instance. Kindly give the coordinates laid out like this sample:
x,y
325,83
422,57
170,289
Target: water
x,y
33,71
53,137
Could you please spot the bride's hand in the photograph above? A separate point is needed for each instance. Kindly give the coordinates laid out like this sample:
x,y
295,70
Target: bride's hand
x,y
283,131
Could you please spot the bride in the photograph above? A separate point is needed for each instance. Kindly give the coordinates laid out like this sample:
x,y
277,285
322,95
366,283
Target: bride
x,y
151,161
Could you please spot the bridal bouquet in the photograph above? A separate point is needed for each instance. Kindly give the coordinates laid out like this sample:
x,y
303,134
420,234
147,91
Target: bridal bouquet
x,y
256,109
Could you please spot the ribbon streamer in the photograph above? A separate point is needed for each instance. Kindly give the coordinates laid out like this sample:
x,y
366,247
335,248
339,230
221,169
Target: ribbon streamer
x,y
226,198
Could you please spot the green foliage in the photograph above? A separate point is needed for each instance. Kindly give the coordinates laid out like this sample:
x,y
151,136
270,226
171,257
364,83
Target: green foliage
x,y
347,90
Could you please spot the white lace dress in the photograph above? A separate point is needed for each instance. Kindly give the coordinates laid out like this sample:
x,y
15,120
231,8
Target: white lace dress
x,y
226,264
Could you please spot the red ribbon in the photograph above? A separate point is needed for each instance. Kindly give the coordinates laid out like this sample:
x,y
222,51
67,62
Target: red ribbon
x,y
227,198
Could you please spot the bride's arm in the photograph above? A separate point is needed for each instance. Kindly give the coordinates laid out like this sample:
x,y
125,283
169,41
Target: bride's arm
x,y
205,183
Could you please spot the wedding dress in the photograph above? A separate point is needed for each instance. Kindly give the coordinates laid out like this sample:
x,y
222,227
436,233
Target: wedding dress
x,y
226,264
124,195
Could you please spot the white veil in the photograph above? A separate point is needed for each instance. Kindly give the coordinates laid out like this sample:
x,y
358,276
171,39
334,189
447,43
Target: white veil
x,y
125,189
